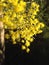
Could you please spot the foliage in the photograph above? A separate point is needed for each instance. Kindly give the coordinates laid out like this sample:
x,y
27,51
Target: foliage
x,y
44,16
20,17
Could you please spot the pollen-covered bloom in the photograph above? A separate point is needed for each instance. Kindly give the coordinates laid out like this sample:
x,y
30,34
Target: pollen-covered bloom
x,y
18,16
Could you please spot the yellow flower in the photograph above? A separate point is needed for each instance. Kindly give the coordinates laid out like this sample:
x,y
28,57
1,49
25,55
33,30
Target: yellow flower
x,y
27,43
11,32
13,37
14,15
36,20
34,13
22,21
41,24
14,2
31,40
22,3
7,36
37,27
5,26
22,41
4,4
20,7
40,31
27,50
14,42
2,0
23,47
17,35
33,16
34,4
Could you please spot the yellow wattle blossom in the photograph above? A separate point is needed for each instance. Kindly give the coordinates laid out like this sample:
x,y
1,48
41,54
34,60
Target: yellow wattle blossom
x,y
7,36
5,27
20,6
31,40
35,5
40,31
23,47
13,37
41,24
14,2
22,41
14,42
27,43
27,50
21,21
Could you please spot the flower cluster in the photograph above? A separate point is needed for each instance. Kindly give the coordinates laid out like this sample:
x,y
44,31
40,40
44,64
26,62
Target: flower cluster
x,y
21,16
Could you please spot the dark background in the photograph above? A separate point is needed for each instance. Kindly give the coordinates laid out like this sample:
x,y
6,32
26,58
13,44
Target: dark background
x,y
39,54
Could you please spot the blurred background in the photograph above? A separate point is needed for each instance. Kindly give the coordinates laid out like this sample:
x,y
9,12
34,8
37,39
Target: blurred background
x,y
39,54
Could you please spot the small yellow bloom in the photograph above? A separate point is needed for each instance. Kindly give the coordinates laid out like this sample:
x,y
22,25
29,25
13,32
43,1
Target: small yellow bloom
x,y
14,2
13,37
23,47
4,4
5,26
27,50
2,0
20,6
31,40
22,3
34,13
14,42
14,15
40,31
22,41
7,36
41,24
36,21
27,43
17,35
